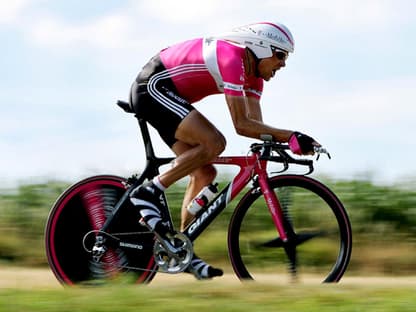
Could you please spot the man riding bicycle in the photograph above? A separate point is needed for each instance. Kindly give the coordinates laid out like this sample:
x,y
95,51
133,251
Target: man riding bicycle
x,y
235,64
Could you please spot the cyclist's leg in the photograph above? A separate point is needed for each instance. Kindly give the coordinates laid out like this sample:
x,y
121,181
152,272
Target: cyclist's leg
x,y
199,178
202,270
194,139
180,125
205,143
199,142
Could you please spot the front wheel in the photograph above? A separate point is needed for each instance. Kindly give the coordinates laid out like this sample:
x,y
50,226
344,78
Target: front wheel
x,y
315,221
75,219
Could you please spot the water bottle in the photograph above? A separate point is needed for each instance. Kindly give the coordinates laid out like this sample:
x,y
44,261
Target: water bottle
x,y
203,198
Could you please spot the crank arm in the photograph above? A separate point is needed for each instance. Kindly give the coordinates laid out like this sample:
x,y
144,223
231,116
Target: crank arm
x,y
171,250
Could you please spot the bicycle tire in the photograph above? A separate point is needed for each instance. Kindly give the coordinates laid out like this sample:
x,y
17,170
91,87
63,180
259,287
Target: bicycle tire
x,y
317,217
84,207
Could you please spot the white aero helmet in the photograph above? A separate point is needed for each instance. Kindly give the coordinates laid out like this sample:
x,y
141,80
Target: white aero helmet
x,y
262,38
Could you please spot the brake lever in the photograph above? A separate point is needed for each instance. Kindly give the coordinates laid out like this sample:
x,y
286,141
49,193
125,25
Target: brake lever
x,y
320,150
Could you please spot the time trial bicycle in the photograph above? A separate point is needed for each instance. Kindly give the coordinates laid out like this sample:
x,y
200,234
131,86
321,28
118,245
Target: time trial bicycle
x,y
284,223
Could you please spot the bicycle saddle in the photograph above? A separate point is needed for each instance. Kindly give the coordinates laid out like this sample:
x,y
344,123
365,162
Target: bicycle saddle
x,y
125,106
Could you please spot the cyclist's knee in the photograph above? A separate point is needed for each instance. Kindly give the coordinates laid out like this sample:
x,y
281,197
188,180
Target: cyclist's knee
x,y
217,145
222,142
205,173
210,172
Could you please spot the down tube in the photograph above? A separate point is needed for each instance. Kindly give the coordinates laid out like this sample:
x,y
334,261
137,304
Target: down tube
x,y
206,216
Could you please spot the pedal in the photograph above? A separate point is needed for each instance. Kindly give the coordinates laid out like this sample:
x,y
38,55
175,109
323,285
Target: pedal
x,y
98,252
99,249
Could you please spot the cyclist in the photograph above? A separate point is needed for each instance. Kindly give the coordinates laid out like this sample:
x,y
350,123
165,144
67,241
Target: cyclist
x,y
235,64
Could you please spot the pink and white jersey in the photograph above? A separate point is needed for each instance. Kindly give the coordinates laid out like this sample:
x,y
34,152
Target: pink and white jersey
x,y
204,66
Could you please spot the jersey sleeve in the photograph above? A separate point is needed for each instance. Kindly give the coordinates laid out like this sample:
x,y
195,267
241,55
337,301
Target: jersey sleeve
x,y
254,87
231,67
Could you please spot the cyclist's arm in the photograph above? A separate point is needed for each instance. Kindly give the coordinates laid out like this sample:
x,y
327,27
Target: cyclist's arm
x,y
247,119
254,109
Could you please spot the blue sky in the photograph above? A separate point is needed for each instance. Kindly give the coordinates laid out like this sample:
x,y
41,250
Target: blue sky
x,y
350,83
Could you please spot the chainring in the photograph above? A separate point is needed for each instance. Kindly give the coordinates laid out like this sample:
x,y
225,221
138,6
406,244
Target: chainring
x,y
177,262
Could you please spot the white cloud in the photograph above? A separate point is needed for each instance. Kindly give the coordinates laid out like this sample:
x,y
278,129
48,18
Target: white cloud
x,y
379,103
351,15
11,10
181,11
359,14
137,24
131,26
109,31
351,106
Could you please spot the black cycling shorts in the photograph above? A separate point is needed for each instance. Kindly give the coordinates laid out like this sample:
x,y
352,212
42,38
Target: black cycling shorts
x,y
154,98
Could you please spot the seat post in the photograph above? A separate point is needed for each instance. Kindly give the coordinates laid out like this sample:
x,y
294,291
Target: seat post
x,y
150,153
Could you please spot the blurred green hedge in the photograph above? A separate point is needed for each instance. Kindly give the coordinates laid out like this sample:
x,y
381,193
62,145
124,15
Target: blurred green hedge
x,y
383,218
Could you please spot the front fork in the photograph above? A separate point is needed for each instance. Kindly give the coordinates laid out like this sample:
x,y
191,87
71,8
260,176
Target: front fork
x,y
287,238
273,204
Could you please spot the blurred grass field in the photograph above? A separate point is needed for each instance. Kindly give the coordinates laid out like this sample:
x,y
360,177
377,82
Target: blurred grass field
x,y
191,295
37,290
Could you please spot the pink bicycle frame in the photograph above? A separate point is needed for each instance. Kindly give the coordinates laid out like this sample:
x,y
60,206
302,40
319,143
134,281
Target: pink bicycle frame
x,y
250,166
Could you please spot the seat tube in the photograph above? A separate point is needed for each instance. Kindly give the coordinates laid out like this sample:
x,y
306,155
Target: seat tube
x,y
272,203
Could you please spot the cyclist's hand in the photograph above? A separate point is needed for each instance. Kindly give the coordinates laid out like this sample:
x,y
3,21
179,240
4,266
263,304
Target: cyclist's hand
x,y
302,144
